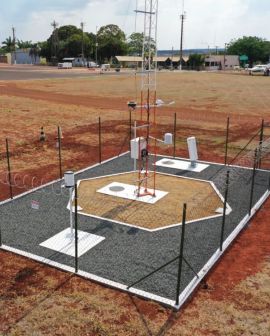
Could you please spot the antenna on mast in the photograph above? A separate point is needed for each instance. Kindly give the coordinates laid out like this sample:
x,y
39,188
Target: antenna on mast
x,y
182,19
54,42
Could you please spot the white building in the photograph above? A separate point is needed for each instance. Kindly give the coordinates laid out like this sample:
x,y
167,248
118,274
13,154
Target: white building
x,y
221,62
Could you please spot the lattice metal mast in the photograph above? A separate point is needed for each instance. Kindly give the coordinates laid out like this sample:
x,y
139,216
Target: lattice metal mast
x,y
148,87
149,52
55,41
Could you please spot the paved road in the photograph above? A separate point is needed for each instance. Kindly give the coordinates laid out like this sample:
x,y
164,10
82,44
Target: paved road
x,y
33,72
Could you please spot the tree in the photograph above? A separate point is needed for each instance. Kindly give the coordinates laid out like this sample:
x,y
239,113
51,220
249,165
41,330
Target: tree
x,y
69,43
112,41
73,46
34,52
257,49
45,49
195,61
135,44
24,44
8,45
91,47
65,32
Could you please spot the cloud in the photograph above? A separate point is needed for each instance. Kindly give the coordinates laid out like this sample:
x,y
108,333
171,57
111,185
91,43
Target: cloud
x,y
208,22
17,7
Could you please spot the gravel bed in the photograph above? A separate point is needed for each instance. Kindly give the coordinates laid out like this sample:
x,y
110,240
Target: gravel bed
x,y
129,253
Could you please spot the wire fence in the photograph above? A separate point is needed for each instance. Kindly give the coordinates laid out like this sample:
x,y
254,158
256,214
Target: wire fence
x,y
142,260
25,164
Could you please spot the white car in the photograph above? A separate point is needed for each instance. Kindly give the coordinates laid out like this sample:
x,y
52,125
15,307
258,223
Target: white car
x,y
65,65
104,68
92,65
260,68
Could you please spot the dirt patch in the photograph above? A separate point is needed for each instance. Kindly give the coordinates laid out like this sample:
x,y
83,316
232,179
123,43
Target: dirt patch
x,y
151,216
76,104
250,250
47,301
12,89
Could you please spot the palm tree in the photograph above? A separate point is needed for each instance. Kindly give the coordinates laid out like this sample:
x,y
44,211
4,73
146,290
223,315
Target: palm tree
x,y
24,44
8,44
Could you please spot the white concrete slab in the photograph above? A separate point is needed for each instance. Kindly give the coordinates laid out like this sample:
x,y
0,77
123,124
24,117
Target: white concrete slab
x,y
228,210
128,191
181,164
62,242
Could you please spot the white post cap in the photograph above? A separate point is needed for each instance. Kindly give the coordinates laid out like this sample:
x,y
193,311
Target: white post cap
x,y
168,138
69,179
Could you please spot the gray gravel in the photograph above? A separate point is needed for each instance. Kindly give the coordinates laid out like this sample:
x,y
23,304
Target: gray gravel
x,y
127,253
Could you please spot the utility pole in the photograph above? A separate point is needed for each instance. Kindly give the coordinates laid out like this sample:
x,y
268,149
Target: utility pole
x,y
182,18
225,52
216,50
96,44
82,28
55,42
172,60
14,44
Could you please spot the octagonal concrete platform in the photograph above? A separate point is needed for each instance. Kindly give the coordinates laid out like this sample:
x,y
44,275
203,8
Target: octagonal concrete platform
x,y
202,198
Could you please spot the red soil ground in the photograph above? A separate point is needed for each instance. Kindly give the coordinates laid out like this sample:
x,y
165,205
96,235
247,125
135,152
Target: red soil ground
x,y
43,292
244,259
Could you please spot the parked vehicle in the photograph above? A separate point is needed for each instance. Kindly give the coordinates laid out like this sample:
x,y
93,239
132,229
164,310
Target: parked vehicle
x,y
92,65
65,65
104,68
257,69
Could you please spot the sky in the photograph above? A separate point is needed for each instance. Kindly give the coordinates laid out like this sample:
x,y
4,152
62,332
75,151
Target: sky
x,y
208,23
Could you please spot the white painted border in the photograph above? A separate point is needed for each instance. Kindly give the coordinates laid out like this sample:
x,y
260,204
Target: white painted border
x,y
187,291
90,276
147,295
164,227
218,254
190,287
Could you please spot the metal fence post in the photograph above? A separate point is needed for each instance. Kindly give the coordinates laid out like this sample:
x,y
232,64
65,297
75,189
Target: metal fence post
x,y
99,139
0,234
174,136
224,210
253,181
130,128
260,144
9,170
227,141
76,228
181,255
59,151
